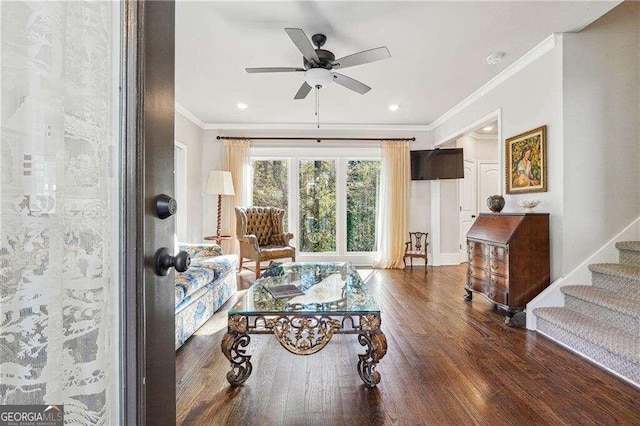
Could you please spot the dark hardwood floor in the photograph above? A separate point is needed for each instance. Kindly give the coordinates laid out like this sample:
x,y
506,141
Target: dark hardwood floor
x,y
448,362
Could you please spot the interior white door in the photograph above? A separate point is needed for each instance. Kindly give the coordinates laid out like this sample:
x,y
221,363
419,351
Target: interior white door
x,y
468,204
488,183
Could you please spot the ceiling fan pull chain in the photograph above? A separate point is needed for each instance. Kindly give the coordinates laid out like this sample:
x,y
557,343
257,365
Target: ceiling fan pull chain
x,y
318,106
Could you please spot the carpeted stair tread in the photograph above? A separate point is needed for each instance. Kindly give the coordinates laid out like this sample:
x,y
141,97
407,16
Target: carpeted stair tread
x,y
629,252
614,340
615,269
622,303
628,245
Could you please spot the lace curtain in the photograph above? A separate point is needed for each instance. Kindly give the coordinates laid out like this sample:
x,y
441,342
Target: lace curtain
x,y
395,176
236,160
58,224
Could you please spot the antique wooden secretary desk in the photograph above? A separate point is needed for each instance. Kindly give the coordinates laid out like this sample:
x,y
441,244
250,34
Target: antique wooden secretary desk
x,y
508,259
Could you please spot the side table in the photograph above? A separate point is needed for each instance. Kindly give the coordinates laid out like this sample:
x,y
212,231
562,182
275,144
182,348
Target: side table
x,y
217,238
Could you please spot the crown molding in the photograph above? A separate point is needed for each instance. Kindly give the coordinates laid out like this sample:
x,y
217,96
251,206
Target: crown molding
x,y
483,121
484,136
190,116
313,126
299,126
543,47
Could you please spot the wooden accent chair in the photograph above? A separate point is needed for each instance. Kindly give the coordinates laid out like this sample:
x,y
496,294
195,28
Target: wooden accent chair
x,y
261,235
416,247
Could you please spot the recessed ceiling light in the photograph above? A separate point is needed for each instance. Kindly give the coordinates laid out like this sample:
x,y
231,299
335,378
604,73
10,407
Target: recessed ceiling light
x,y
242,105
488,128
494,58
393,107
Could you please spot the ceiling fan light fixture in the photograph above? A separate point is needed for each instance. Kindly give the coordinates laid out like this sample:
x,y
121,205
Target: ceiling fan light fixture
x,y
393,107
318,77
488,128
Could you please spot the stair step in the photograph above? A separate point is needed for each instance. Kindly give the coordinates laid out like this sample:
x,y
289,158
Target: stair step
x,y
615,309
628,245
629,252
611,347
624,279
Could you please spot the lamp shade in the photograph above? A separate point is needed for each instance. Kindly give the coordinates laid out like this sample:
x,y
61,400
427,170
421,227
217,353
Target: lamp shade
x,y
220,183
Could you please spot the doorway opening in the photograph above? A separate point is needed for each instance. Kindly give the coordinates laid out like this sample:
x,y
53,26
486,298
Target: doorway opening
x,y
457,203
181,188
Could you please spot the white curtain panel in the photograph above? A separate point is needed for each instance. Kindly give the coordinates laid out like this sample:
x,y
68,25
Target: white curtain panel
x,y
395,177
58,207
236,160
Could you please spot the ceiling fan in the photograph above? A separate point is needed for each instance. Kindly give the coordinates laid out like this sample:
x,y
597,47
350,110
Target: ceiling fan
x,y
318,64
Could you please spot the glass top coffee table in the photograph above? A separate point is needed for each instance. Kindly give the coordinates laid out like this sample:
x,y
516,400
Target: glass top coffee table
x,y
304,304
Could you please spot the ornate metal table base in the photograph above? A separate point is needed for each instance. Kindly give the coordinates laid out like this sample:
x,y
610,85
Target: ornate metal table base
x,y
376,348
376,343
233,345
303,334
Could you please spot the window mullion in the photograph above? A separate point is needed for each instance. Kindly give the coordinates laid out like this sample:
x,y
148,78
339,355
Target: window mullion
x,y
341,206
294,196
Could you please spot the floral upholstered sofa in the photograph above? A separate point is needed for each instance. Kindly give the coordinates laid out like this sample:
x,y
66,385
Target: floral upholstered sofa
x,y
203,288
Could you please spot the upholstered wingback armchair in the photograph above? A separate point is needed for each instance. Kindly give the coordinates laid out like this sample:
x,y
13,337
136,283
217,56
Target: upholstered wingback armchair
x,y
261,234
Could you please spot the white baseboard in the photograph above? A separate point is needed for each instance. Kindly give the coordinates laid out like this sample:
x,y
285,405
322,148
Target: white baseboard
x,y
449,259
552,296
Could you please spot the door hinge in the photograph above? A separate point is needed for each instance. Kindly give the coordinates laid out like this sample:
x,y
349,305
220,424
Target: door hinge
x,y
460,246
460,208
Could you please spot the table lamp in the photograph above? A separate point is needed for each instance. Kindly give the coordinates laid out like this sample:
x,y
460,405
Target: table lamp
x,y
220,183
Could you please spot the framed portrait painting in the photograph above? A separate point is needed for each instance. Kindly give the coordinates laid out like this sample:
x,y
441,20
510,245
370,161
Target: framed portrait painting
x,y
526,158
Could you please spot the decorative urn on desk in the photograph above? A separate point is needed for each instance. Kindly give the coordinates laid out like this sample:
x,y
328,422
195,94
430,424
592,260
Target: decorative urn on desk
x,y
495,203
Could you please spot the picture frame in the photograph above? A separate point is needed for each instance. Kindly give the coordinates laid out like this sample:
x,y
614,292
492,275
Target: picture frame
x,y
526,162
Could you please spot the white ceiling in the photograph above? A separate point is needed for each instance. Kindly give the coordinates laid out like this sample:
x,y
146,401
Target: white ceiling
x,y
438,52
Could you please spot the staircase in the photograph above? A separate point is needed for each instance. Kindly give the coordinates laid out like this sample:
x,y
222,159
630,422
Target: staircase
x,y
602,321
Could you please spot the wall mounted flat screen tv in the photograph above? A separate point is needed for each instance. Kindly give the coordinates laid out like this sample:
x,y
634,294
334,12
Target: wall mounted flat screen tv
x,y
437,164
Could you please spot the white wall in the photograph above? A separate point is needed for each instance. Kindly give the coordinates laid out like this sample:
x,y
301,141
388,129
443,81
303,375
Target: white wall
x,y
474,150
211,159
449,218
191,135
587,91
601,93
530,98
479,149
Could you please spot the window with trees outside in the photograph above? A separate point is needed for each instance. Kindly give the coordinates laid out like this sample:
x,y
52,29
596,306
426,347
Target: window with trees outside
x,y
317,209
271,184
331,202
363,182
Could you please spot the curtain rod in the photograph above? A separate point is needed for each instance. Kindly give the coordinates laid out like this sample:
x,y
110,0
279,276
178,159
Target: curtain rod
x,y
312,139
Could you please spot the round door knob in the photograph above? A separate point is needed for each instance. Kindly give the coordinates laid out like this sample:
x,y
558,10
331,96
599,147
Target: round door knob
x,y
164,261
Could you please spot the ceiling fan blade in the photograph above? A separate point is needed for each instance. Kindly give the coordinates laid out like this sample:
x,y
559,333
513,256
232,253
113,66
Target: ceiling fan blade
x,y
364,57
350,83
303,91
272,69
300,39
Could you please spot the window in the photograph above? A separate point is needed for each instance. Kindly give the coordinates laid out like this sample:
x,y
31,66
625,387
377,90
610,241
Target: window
x,y
317,211
271,184
330,196
363,181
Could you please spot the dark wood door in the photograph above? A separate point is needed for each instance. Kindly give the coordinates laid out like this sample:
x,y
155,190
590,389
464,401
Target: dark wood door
x,y
159,300
148,301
